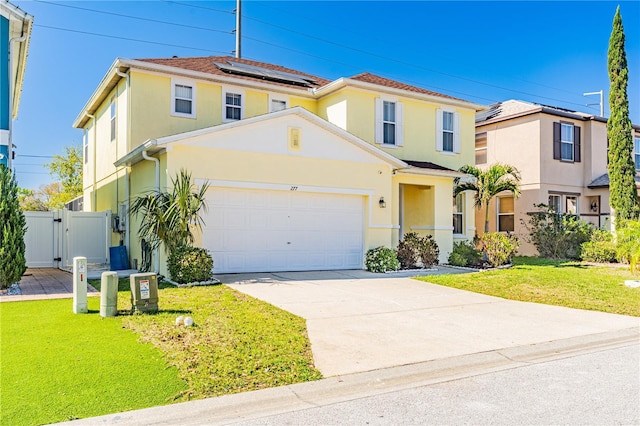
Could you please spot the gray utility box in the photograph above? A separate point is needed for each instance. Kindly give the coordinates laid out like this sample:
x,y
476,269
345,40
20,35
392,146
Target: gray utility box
x,y
144,292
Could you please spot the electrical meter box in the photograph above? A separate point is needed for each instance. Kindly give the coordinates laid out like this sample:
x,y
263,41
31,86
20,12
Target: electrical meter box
x,y
144,292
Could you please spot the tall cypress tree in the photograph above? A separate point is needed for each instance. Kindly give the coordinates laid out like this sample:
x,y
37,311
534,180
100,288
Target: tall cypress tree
x,y
622,171
12,230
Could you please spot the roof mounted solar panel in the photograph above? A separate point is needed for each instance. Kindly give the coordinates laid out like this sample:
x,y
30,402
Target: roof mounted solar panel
x,y
265,73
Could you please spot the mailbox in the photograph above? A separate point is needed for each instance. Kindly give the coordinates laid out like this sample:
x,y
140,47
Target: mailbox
x,y
144,292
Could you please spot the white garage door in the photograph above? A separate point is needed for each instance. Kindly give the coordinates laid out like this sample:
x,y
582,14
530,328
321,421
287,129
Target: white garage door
x,y
267,231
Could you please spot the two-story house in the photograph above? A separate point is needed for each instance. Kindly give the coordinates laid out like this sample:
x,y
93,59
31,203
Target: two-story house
x,y
561,155
304,173
15,32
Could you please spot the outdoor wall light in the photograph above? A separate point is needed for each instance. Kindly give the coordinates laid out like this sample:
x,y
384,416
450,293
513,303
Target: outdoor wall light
x,y
382,203
594,206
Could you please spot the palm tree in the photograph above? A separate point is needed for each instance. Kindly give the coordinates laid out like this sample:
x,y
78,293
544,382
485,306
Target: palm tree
x,y
168,218
487,184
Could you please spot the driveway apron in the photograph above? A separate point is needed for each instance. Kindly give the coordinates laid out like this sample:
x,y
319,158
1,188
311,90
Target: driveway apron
x,y
359,321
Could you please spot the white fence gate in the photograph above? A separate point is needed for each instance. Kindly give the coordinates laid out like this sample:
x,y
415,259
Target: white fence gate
x,y
54,238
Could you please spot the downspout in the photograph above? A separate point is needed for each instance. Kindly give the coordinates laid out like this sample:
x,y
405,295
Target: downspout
x,y
155,160
19,39
94,197
127,148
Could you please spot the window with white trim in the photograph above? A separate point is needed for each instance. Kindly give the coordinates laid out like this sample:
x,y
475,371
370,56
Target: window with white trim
x,y
566,142
458,214
555,203
447,131
636,152
571,204
112,109
233,106
278,105
389,122
505,214
183,99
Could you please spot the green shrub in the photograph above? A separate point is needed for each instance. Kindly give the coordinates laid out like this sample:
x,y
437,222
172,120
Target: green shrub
x,y
414,248
408,251
628,247
600,248
555,235
381,259
464,253
429,251
13,227
190,264
499,247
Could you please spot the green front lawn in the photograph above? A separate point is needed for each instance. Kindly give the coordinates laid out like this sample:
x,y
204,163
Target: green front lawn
x,y
58,366
553,282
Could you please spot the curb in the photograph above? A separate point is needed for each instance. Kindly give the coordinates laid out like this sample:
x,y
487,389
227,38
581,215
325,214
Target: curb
x,y
267,402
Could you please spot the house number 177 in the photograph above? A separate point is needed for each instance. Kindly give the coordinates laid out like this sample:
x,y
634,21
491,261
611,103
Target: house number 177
x,y
294,188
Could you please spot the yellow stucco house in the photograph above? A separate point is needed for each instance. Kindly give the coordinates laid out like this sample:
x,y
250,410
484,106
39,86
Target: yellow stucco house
x,y
304,173
562,158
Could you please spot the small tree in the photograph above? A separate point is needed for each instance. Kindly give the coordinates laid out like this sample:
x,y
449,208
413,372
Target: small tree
x,y
168,218
67,169
621,167
12,230
489,183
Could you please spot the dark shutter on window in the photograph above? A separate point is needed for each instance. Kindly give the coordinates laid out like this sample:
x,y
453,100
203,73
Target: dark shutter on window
x,y
576,144
556,141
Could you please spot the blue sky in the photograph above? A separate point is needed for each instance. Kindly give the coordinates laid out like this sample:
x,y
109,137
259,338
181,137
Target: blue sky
x,y
484,52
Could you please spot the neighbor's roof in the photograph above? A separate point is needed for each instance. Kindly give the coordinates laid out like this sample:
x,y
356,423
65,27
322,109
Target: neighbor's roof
x,y
603,181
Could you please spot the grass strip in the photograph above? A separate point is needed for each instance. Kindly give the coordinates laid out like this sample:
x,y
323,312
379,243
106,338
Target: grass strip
x,y
553,282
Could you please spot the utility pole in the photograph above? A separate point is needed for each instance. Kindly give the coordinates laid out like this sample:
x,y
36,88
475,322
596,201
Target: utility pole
x,y
238,29
601,103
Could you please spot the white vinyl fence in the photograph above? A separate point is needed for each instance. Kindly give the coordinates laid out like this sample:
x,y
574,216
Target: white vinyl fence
x,y
54,238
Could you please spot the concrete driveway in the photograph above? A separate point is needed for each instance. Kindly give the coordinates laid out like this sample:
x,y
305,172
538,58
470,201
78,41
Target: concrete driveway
x,y
358,321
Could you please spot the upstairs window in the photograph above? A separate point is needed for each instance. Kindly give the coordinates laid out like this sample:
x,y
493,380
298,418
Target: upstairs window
x,y
112,109
458,214
636,152
481,148
389,127
389,123
233,103
566,142
278,105
447,131
505,214
183,97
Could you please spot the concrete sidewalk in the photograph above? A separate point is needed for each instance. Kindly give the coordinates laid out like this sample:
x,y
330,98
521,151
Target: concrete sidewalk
x,y
358,322
45,283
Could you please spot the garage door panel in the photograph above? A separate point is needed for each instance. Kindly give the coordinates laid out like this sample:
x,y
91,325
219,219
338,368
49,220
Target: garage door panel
x,y
263,230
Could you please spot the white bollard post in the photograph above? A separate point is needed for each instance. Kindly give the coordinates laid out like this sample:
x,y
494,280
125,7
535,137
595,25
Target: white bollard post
x,y
80,285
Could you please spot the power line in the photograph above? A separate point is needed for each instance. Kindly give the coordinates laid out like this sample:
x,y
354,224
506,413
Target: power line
x,y
128,39
156,21
34,156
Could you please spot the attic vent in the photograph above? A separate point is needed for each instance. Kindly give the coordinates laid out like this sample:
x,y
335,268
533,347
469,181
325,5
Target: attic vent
x,y
265,73
294,138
